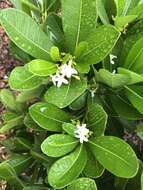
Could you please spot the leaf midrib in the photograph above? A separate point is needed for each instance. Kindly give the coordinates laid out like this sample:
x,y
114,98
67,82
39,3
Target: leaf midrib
x,y
106,150
22,36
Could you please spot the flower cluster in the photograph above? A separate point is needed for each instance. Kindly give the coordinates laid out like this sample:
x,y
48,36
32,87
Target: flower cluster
x,y
65,72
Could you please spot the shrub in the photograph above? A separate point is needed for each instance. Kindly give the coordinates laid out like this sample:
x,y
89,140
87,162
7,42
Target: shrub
x,y
79,89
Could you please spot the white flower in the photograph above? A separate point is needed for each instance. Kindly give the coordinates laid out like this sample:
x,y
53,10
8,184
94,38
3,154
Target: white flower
x,y
114,71
58,80
67,70
111,59
82,133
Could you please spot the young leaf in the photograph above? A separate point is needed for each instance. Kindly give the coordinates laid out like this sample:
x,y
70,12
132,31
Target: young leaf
x,y
78,23
58,145
112,80
68,168
69,128
123,21
135,94
96,119
22,80
25,33
93,168
115,155
48,116
41,67
83,184
66,94
100,43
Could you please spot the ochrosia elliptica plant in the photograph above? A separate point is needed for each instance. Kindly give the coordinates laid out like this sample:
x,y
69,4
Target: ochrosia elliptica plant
x,y
79,89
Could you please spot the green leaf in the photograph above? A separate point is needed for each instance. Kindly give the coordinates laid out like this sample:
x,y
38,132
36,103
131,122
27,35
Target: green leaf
x,y
79,103
115,155
8,100
100,44
129,112
58,145
29,123
135,95
22,143
8,173
96,119
66,94
102,12
82,184
69,128
67,169
53,27
19,162
134,58
55,54
21,79
11,120
78,23
29,95
41,67
138,10
122,22
48,116
124,6
25,33
93,168
142,181
112,80
139,131
134,77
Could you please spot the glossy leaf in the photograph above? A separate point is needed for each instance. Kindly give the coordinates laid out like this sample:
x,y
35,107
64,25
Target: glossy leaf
x,y
66,94
48,116
67,169
58,145
41,67
100,44
96,119
112,80
78,23
93,168
25,33
115,155
69,128
22,80
83,184
135,95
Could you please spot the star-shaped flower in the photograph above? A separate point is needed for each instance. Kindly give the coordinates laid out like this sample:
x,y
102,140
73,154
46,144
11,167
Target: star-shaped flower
x,y
58,80
82,133
67,70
